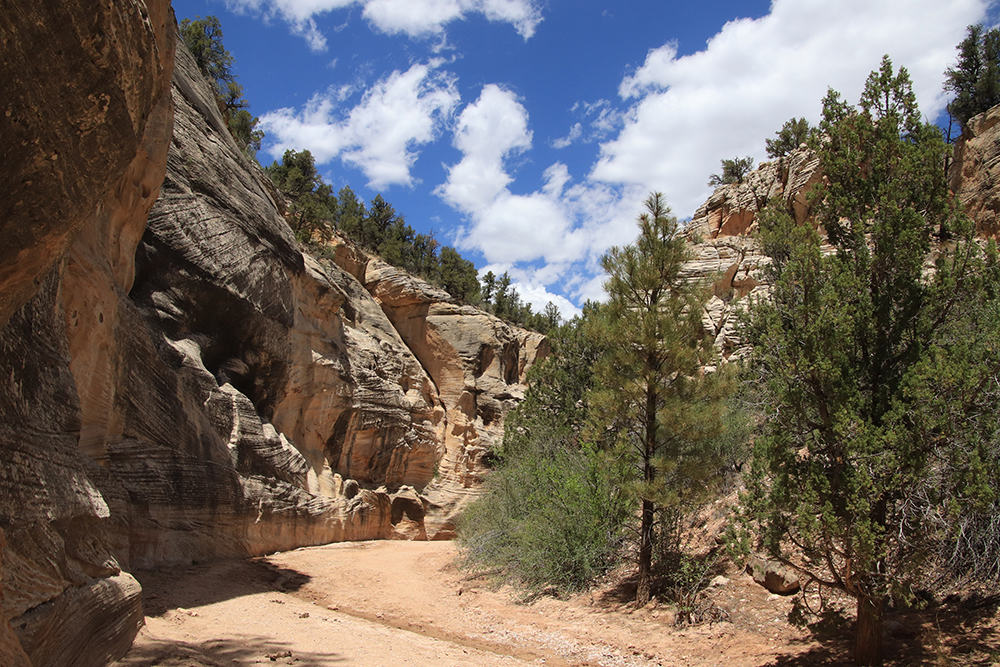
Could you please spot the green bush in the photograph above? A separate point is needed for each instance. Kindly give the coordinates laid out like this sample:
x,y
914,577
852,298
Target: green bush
x,y
551,519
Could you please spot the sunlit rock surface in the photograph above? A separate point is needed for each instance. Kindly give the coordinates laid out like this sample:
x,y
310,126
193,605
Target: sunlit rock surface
x,y
177,380
726,256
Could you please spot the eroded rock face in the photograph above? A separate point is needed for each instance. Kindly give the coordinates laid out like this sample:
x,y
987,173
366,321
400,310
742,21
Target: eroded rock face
x,y
726,256
80,82
192,386
83,152
975,173
476,362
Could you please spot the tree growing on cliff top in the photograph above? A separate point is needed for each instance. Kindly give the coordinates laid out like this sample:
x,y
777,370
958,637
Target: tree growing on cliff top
x,y
975,78
651,397
733,171
312,204
792,134
859,467
203,38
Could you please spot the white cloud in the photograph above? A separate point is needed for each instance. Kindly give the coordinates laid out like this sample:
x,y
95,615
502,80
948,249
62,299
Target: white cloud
x,y
539,297
574,134
683,115
414,18
531,291
690,112
398,113
563,227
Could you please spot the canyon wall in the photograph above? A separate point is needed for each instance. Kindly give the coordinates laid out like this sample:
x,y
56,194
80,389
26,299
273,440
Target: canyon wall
x,y
974,174
178,381
725,252
721,233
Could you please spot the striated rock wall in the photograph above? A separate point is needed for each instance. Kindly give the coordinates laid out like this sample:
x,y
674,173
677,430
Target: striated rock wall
x,y
88,118
974,174
726,255
184,383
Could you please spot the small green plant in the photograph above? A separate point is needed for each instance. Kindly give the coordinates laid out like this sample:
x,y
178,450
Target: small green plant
x,y
733,171
687,591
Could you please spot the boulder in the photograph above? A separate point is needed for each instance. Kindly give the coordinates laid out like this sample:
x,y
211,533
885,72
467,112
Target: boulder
x,y
773,576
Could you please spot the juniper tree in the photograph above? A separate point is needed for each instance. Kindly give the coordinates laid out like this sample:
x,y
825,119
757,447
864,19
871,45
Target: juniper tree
x,y
975,78
458,276
792,134
733,171
854,459
313,206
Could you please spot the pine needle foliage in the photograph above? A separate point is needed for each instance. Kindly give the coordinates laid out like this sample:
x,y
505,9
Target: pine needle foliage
x,y
651,401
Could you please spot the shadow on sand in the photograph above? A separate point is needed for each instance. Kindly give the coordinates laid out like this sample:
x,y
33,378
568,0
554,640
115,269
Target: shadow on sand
x,y
185,588
164,589
219,652
956,633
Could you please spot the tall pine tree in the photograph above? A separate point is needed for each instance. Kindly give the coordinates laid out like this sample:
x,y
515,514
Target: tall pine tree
x,y
651,393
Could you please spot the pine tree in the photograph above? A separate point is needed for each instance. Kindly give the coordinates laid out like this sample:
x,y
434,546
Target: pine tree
x,y
458,276
849,469
652,395
203,38
313,206
552,514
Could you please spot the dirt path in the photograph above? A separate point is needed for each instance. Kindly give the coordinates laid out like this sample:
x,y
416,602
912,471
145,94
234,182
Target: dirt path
x,y
389,604
404,603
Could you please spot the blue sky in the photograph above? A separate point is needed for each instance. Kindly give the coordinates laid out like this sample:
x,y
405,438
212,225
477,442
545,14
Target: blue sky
x,y
528,132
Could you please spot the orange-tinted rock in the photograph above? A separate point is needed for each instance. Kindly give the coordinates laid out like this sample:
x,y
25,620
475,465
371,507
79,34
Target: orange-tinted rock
x,y
75,113
975,173
726,256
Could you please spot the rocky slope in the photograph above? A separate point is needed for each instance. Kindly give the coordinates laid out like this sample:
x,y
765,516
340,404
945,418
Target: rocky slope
x,y
721,232
726,255
192,386
975,172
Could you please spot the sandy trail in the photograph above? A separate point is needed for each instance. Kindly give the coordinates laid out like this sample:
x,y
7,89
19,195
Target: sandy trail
x,y
404,603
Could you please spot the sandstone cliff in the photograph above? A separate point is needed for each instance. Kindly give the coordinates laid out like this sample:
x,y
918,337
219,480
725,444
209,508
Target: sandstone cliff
x,y
721,231
192,386
975,172
726,254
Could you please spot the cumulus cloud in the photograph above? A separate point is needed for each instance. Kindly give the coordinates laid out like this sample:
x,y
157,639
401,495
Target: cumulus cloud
x,y
678,116
562,227
689,112
539,298
414,18
378,135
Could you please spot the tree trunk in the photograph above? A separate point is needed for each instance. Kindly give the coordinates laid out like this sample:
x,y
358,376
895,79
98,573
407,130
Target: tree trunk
x,y
643,592
868,636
